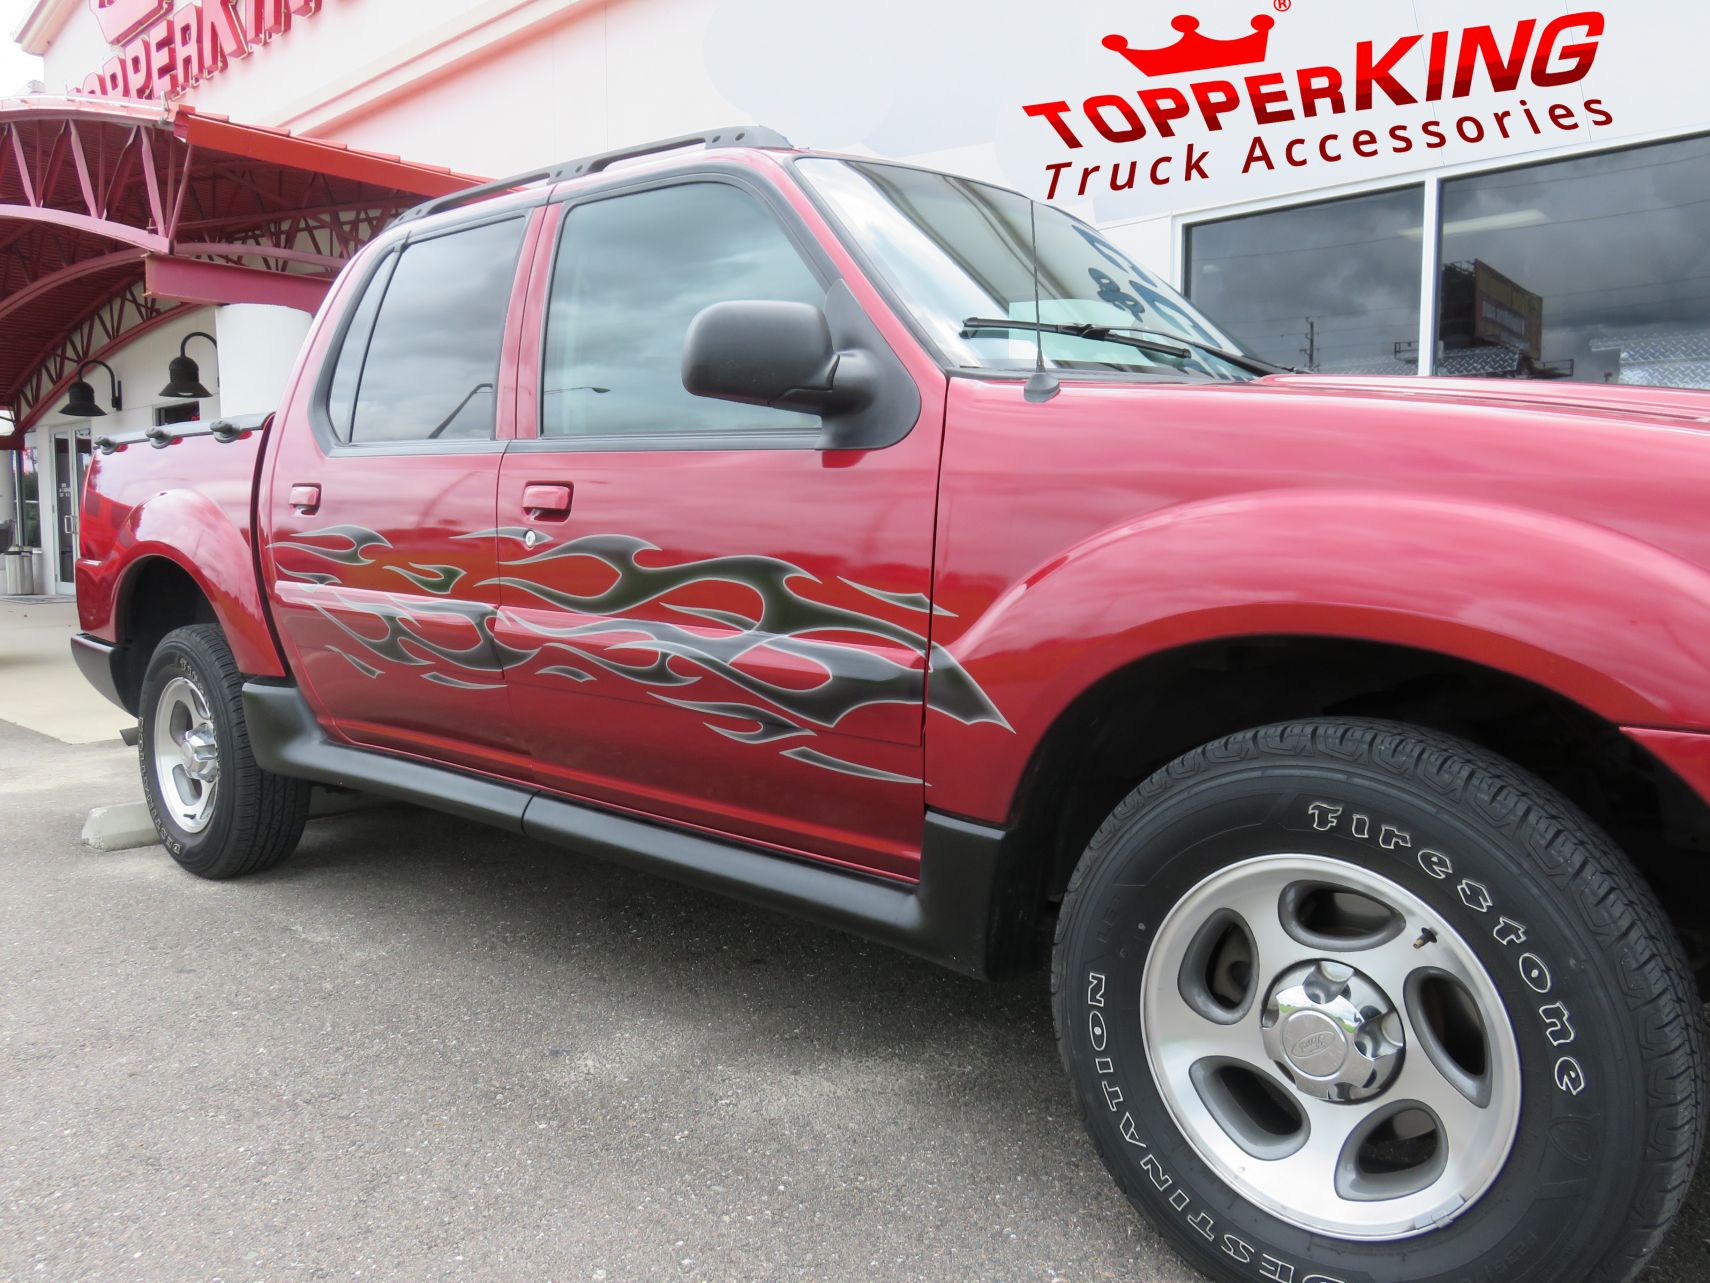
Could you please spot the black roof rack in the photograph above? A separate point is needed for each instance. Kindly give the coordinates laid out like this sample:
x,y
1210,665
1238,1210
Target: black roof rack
x,y
729,136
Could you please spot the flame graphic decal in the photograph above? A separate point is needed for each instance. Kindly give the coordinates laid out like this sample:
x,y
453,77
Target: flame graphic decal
x,y
605,632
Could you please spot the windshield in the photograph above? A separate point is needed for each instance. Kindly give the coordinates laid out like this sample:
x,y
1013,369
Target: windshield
x,y
953,250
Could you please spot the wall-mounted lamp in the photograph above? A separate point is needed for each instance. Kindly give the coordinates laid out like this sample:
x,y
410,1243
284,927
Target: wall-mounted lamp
x,y
184,379
80,397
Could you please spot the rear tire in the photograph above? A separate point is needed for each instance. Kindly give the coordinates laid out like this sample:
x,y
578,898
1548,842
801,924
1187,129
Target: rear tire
x,y
218,813
1352,1001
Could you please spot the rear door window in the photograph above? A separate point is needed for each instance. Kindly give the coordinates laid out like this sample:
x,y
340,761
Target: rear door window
x,y
422,363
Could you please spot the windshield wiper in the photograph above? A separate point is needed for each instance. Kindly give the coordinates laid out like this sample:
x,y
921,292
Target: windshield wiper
x,y
1240,360
1129,335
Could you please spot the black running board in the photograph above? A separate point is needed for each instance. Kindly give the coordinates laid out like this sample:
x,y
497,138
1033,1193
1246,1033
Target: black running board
x,y
946,917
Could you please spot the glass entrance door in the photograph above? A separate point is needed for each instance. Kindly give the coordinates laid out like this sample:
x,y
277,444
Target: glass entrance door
x,y
68,450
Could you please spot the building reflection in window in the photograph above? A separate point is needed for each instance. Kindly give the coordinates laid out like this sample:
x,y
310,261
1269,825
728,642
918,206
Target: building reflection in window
x,y
1591,269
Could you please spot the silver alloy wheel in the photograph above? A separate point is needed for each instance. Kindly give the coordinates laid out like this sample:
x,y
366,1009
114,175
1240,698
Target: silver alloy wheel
x,y
1331,1047
186,755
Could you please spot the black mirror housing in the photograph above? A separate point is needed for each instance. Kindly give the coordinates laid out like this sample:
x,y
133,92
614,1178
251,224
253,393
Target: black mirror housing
x,y
761,352
832,363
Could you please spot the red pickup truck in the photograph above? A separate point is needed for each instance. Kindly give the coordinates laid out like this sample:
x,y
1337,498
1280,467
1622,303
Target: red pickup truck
x,y
887,548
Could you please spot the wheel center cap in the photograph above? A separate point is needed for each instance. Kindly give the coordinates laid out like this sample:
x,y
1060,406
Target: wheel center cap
x,y
1332,1031
1314,1043
202,754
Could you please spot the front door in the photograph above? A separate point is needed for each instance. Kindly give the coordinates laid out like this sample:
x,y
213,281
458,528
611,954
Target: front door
x,y
379,532
720,623
68,460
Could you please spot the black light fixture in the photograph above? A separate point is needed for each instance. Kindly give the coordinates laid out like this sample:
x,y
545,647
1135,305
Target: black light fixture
x,y
183,378
80,397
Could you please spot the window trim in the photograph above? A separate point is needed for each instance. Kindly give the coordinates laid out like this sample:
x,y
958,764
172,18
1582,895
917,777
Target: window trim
x,y
571,198
869,268
386,260
386,263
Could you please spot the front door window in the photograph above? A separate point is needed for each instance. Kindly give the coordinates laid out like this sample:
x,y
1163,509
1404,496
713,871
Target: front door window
x,y
631,275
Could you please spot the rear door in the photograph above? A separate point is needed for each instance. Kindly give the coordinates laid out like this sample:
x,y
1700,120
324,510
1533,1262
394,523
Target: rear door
x,y
379,536
724,625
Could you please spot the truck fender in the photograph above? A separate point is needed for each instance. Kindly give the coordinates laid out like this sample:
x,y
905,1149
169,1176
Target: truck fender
x,y
1605,620
197,535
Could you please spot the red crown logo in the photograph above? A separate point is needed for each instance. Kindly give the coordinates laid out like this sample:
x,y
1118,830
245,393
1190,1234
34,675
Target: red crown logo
x,y
1194,52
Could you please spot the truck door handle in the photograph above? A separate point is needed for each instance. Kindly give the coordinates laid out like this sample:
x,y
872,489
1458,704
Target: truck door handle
x,y
547,501
305,499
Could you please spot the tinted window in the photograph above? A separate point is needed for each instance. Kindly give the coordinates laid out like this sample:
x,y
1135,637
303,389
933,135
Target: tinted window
x,y
1591,269
1332,286
433,357
632,273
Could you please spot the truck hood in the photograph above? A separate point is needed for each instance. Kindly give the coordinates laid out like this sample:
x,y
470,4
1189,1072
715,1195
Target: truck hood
x,y
1673,405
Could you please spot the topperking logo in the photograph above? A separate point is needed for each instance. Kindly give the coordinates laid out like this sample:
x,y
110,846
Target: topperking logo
x,y
1421,75
165,48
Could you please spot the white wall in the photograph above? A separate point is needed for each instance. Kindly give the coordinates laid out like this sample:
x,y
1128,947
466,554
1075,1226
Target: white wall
x,y
496,86
141,368
76,51
258,346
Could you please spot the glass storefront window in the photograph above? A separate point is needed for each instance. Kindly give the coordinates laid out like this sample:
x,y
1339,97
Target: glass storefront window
x,y
1591,269
29,533
1331,287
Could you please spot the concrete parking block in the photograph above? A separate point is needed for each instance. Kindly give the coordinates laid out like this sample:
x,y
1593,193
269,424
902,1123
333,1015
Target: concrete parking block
x,y
119,828
126,825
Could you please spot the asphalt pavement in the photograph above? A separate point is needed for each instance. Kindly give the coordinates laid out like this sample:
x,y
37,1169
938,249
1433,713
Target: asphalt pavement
x,y
424,1050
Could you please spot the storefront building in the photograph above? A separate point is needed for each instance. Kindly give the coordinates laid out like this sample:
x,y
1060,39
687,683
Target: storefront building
x,y
157,267
1502,189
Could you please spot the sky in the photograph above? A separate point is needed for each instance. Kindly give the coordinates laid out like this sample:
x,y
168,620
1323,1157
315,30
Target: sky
x,y
16,66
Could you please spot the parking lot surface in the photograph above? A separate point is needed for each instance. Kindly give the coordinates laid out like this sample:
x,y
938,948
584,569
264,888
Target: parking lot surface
x,y
422,1050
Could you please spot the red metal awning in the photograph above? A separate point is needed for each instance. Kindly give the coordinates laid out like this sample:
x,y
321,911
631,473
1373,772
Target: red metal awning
x,y
114,214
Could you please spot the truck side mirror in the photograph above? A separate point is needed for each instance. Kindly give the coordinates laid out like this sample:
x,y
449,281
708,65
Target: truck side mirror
x,y
793,356
765,352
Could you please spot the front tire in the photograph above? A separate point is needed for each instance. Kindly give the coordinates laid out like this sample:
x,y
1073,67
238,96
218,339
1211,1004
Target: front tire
x,y
218,813
1352,1001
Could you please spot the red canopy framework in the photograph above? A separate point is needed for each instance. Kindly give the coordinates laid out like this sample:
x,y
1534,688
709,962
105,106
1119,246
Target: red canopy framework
x,y
113,215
